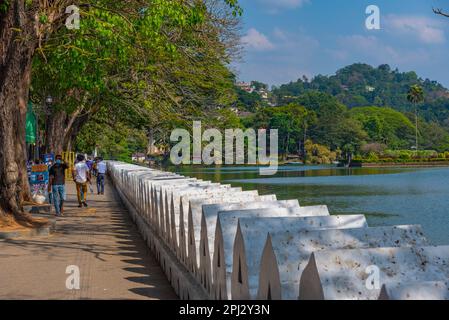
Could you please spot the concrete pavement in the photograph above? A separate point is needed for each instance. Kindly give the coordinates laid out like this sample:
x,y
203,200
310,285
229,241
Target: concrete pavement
x,y
113,260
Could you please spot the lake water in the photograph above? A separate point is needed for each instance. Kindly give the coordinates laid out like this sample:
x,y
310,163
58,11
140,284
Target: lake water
x,y
387,196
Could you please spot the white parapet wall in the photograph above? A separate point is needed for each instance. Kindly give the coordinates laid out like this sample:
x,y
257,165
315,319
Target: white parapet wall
x,y
432,290
185,235
171,211
184,284
287,252
165,197
159,206
225,234
251,236
349,274
153,198
149,185
193,230
209,223
157,202
214,241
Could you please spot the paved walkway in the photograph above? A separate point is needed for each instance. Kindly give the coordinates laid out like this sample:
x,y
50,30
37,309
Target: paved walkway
x,y
113,260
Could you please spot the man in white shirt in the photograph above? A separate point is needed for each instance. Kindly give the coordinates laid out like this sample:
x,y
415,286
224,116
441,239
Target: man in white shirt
x,y
101,174
81,176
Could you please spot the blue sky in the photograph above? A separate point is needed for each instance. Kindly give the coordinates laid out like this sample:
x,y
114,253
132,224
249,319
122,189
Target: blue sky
x,y
285,39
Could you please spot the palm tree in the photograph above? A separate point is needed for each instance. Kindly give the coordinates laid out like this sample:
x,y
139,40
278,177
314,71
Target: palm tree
x,y
416,95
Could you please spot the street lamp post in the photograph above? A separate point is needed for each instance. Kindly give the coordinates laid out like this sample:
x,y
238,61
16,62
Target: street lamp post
x,y
48,104
36,151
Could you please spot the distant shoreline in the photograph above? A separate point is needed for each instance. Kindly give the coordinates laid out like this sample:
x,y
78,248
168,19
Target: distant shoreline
x,y
362,165
405,165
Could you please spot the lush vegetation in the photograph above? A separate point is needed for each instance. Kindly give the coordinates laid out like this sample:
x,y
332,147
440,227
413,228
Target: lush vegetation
x,y
110,99
378,154
361,85
360,111
136,66
314,118
385,125
130,67
161,66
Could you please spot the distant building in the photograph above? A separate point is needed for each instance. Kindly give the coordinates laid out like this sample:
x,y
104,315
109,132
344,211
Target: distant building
x,y
235,110
263,94
138,157
245,87
255,87
370,89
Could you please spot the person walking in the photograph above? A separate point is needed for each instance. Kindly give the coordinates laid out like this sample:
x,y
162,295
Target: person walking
x,y
81,176
94,167
101,174
90,164
56,185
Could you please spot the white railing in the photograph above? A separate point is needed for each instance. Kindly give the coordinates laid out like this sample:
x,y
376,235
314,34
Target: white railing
x,y
218,242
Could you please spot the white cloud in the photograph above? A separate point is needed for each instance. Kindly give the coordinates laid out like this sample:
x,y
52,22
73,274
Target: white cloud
x,y
372,49
274,6
426,30
271,73
369,45
294,54
294,41
280,34
254,40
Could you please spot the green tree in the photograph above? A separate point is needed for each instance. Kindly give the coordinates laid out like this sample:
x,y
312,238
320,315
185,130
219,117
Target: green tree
x,y
330,114
29,26
351,137
259,85
291,121
126,64
248,101
374,127
385,125
360,85
318,154
434,137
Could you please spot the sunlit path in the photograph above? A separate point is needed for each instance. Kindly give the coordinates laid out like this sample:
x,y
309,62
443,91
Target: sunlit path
x,y
102,241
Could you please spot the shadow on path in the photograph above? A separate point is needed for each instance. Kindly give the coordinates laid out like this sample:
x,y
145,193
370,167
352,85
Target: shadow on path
x,y
101,240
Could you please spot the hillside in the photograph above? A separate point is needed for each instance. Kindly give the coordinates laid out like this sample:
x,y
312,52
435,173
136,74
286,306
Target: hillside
x,y
358,106
361,85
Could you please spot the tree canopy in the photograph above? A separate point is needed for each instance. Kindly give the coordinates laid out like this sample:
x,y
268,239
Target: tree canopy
x,y
161,66
133,62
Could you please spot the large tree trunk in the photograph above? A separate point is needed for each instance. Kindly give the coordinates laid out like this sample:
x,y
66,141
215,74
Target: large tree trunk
x,y
55,132
62,129
151,147
75,129
16,52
